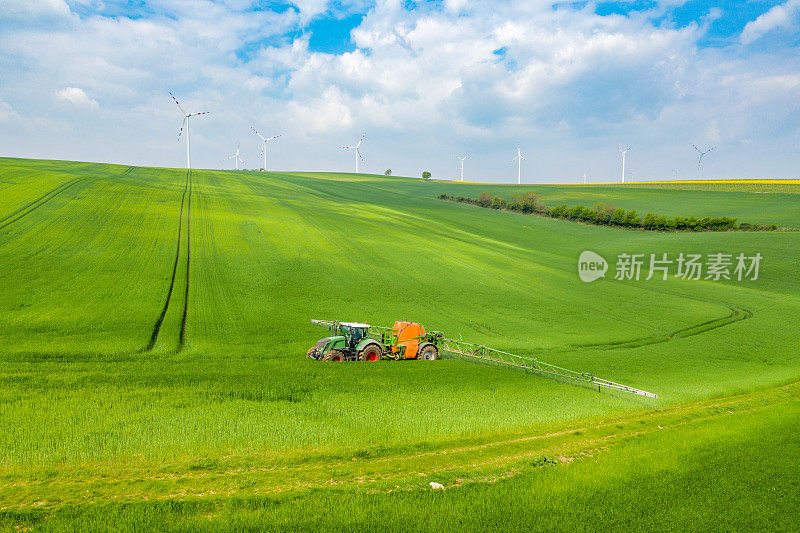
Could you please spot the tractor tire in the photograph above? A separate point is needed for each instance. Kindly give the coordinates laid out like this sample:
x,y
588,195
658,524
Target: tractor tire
x,y
428,353
312,353
371,353
334,355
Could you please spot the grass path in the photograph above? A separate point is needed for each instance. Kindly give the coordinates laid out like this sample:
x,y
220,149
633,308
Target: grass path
x,y
453,463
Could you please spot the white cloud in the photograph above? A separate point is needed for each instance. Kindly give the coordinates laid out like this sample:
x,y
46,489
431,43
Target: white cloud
x,y
422,83
76,96
7,113
28,9
783,16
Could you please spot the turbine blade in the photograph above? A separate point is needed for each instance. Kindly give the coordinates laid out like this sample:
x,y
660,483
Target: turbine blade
x,y
262,137
273,137
179,105
347,147
359,155
361,139
185,118
202,113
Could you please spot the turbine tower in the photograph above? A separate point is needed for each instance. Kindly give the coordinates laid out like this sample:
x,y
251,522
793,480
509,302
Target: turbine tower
x,y
235,157
623,151
356,149
518,159
462,165
700,159
186,117
584,178
264,142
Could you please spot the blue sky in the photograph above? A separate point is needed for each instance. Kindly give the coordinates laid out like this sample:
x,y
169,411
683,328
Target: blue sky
x,y
426,80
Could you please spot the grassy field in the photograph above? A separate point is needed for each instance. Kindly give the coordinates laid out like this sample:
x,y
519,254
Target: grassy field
x,y
154,327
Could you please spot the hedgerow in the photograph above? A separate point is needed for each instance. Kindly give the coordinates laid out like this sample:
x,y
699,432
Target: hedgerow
x,y
607,214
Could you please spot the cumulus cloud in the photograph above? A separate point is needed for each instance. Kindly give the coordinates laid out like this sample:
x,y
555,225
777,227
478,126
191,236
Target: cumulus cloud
x,y
26,9
7,112
783,16
76,96
421,82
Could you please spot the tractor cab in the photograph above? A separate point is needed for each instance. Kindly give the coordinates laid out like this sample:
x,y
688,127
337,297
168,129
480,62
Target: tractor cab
x,y
353,332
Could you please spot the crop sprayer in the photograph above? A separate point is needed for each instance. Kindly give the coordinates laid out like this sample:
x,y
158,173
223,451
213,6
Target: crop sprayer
x,y
354,341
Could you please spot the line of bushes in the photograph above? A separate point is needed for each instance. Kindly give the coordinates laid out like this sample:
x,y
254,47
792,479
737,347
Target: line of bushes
x,y
606,214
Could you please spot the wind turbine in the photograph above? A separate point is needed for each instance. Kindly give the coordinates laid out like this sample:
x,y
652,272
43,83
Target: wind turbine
x,y
357,151
623,151
186,117
700,159
462,165
518,159
264,145
235,157
584,178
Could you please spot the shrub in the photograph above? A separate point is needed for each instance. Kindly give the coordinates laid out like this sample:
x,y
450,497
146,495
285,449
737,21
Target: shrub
x,y
498,203
530,202
649,221
484,199
618,217
576,213
632,219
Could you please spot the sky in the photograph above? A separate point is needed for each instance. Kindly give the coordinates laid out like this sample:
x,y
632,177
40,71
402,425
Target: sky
x,y
426,80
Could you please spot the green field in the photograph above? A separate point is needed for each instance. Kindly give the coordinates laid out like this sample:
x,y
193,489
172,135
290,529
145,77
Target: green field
x,y
154,326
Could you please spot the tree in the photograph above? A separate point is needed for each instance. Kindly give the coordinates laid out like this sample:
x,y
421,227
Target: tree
x,y
527,203
388,172
632,219
498,203
618,217
484,199
426,175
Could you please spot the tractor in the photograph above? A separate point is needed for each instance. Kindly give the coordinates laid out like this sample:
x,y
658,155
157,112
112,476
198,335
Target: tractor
x,y
353,341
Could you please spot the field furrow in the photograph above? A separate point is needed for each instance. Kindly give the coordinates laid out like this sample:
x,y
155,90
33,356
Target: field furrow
x,y
156,331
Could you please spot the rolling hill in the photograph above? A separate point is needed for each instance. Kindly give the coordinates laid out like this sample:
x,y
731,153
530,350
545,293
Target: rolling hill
x,y
155,321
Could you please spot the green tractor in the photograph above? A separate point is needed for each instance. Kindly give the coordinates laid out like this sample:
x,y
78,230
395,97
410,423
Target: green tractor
x,y
349,342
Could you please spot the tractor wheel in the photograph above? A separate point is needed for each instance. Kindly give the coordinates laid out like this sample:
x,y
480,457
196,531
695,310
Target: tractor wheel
x,y
370,353
312,352
334,355
429,353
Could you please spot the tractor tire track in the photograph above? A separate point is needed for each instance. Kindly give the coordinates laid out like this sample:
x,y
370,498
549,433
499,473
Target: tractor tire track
x,y
736,314
31,206
160,320
182,335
